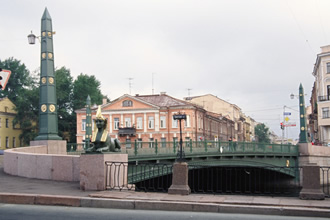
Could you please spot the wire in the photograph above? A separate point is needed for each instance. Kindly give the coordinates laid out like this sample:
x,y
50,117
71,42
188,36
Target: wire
x,y
301,30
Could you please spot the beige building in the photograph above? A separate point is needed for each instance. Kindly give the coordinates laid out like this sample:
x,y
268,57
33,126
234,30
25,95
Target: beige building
x,y
243,126
9,134
321,105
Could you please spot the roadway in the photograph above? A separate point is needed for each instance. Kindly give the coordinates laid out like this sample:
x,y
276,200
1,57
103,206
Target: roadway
x,y
33,212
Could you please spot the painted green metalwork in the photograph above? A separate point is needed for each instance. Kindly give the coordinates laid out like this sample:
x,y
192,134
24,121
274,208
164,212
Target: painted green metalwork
x,y
88,134
48,121
303,128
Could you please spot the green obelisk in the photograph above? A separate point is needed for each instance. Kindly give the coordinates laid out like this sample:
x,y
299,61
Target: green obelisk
x,y
88,134
303,127
48,121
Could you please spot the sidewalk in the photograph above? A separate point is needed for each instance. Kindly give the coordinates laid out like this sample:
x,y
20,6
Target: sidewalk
x,y
21,190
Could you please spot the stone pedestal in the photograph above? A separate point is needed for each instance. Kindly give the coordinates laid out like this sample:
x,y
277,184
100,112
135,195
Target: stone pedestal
x,y
93,171
311,183
53,146
180,179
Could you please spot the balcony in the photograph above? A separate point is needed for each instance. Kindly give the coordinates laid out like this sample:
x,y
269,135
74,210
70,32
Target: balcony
x,y
324,98
127,131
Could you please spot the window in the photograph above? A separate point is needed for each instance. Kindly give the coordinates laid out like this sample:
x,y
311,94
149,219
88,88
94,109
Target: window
x,y
325,112
0,122
139,124
187,121
7,142
128,143
127,103
83,125
14,142
128,122
151,122
174,123
328,67
139,142
163,142
151,143
116,123
162,121
7,123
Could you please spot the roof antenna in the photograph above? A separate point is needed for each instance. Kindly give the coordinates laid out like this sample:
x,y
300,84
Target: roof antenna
x,y
189,92
152,83
130,84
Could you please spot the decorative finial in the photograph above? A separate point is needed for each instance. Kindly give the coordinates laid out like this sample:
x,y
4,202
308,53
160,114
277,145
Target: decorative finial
x,y
99,114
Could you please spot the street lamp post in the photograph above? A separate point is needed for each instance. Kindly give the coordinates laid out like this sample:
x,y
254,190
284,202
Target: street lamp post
x,y
180,117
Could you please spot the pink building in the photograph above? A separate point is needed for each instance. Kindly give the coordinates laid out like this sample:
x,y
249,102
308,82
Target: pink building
x,y
149,117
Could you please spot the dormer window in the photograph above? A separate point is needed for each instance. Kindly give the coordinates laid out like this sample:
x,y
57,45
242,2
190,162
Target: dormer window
x,y
127,103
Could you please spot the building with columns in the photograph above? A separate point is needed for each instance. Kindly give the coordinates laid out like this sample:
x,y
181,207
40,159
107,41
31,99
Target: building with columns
x,y
146,118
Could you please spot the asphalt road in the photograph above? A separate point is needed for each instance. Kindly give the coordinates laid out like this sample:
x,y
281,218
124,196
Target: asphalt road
x,y
33,212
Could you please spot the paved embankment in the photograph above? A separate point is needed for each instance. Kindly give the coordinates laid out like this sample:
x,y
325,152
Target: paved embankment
x,y
19,190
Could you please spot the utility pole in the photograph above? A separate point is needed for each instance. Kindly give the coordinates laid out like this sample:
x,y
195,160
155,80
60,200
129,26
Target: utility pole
x,y
152,83
189,91
130,84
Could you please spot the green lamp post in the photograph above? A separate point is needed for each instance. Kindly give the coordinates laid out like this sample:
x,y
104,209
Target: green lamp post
x,y
303,128
48,121
88,134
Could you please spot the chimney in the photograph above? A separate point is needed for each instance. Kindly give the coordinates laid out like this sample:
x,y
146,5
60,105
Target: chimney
x,y
163,93
104,101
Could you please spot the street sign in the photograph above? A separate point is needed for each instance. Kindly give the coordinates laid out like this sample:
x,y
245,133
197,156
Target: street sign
x,y
4,77
287,113
179,117
290,125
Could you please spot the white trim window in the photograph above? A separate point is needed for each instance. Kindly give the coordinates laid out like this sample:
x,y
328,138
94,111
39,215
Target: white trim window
x,y
83,125
139,123
151,122
128,122
325,112
187,121
174,123
116,123
162,121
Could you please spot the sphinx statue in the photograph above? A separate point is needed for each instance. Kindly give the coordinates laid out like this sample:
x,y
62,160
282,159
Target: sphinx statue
x,y
101,140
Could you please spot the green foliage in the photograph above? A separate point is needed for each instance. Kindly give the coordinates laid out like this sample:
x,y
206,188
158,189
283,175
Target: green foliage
x,y
66,116
83,86
22,90
262,132
20,79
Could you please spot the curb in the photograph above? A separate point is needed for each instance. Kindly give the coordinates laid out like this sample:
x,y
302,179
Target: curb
x,y
75,201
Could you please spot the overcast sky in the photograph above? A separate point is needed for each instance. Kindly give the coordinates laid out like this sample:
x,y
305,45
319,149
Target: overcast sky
x,y
252,53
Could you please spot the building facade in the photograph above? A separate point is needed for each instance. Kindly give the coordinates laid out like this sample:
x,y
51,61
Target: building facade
x,y
320,101
243,126
9,133
147,118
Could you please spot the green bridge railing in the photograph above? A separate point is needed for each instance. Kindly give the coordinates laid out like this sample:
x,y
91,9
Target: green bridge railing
x,y
155,148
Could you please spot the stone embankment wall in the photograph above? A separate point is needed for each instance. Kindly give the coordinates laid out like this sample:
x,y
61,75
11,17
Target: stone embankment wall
x,y
309,153
36,162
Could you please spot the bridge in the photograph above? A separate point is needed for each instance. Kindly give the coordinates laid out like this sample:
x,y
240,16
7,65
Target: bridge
x,y
216,153
255,164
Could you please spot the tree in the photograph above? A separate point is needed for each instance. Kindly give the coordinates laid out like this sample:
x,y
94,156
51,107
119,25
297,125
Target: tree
x,y
20,79
262,132
83,86
64,93
22,90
